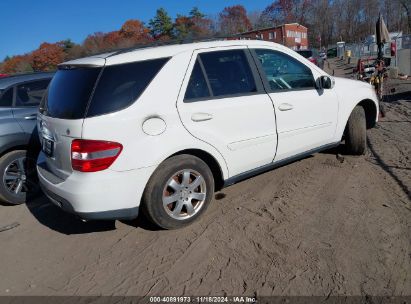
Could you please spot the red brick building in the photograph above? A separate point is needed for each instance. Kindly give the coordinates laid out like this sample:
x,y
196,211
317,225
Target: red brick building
x,y
292,35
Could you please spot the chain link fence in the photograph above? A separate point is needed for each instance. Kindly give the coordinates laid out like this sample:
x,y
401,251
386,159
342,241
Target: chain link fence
x,y
355,51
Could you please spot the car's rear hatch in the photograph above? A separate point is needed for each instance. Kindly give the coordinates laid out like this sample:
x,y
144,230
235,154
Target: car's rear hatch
x,y
79,92
62,113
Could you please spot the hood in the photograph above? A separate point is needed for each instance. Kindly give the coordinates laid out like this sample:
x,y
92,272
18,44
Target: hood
x,y
348,84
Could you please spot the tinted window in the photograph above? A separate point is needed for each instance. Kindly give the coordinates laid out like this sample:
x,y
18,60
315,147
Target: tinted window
x,y
284,72
6,100
121,85
197,86
69,92
228,72
30,94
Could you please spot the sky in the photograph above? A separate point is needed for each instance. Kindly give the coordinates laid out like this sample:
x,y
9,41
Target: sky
x,y
25,24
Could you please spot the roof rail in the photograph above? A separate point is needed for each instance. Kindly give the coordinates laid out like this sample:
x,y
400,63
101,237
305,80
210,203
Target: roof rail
x,y
171,42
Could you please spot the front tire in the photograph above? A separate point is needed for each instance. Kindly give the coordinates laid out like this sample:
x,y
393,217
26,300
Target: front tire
x,y
18,178
356,132
178,192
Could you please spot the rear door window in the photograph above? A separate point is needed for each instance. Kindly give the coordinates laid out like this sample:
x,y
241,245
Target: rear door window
x,y
30,94
228,72
120,85
197,86
6,100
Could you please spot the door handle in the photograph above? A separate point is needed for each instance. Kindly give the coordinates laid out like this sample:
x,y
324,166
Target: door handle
x,y
285,107
201,117
31,117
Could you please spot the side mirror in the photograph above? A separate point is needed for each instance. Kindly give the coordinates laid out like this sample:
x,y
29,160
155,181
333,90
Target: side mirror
x,y
325,82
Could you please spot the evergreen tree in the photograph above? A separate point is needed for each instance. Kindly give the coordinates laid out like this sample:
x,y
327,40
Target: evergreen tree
x,y
161,25
195,13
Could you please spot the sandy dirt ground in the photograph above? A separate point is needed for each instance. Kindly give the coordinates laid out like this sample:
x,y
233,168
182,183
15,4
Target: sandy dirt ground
x,y
325,225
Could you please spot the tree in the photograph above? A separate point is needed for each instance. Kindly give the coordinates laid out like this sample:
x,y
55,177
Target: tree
x,y
286,11
17,64
234,20
111,40
255,18
94,43
202,25
196,25
75,52
195,13
67,44
161,25
48,56
406,5
135,31
182,27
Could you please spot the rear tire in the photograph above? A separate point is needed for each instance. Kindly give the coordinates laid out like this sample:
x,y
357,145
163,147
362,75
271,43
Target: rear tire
x,y
356,132
178,192
18,178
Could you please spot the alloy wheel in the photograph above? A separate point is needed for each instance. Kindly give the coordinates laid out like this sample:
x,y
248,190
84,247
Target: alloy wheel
x,y
184,194
16,177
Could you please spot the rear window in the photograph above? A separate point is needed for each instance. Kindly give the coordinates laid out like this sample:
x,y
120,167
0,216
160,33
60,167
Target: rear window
x,y
69,92
117,87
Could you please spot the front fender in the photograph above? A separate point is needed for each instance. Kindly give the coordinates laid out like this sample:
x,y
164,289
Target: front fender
x,y
351,93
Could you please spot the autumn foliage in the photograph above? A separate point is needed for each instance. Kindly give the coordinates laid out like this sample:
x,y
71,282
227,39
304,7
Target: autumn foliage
x,y
132,33
47,56
233,20
19,63
350,20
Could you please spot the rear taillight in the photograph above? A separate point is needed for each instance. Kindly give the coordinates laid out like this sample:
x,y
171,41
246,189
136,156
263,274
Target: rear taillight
x,y
93,155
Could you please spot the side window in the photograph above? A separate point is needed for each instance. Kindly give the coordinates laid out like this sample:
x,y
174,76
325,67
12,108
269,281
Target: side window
x,y
30,94
6,100
121,85
197,86
228,72
284,72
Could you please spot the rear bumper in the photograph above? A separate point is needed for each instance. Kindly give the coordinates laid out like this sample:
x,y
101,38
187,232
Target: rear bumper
x,y
122,214
104,195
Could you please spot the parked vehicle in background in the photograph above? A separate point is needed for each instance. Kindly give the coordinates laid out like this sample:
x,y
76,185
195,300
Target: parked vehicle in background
x,y
310,55
162,128
3,75
332,53
365,68
20,96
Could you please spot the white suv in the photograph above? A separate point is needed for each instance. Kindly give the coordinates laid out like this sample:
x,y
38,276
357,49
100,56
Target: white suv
x,y
164,127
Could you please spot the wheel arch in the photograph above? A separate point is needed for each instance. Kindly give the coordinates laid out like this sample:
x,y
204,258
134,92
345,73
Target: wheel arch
x,y
19,141
370,109
212,163
12,148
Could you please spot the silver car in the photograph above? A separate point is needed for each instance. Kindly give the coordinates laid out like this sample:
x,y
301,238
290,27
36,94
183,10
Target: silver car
x,y
20,97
